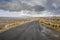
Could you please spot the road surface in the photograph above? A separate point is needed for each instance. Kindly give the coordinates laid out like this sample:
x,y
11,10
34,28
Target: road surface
x,y
30,31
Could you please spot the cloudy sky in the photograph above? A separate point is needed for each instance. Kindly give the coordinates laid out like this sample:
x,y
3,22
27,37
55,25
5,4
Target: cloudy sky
x,y
29,8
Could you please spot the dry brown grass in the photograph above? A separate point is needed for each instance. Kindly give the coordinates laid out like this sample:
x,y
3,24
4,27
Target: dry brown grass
x,y
53,23
8,24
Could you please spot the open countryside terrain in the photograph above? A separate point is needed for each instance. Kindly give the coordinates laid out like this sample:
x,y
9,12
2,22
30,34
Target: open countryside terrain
x,y
5,21
30,28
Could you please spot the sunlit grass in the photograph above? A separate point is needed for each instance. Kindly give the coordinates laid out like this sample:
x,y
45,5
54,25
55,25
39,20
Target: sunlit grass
x,y
13,25
53,23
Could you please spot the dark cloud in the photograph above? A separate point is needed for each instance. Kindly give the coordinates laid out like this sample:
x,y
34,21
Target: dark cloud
x,y
17,5
36,5
36,8
53,6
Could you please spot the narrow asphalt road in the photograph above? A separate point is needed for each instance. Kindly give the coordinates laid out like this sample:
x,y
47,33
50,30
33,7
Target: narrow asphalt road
x,y
29,31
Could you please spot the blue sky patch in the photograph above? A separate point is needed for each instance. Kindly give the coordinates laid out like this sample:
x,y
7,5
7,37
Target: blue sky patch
x,y
6,0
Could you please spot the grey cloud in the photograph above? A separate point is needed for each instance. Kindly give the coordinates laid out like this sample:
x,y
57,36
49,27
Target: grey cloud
x,y
17,5
36,5
53,6
37,8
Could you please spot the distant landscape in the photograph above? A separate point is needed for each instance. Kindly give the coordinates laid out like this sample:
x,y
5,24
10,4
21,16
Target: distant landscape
x,y
8,20
46,21
39,27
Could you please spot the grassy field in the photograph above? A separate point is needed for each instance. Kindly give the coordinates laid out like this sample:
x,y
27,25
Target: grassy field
x,y
4,21
53,22
7,23
40,26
